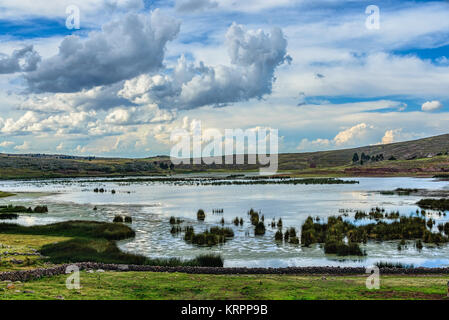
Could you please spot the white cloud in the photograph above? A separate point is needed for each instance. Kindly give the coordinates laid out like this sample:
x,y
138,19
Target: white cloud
x,y
5,144
123,49
88,8
388,137
23,147
195,5
254,55
430,106
60,146
346,136
318,144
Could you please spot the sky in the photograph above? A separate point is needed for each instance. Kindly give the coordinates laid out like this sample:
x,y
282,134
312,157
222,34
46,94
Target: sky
x,y
327,74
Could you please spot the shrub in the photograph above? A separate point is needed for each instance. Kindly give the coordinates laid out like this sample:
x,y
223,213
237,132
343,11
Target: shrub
x,y
254,216
118,219
8,216
236,221
278,235
342,249
260,229
279,224
397,265
419,245
128,219
41,209
174,220
208,260
175,229
292,232
210,237
286,235
201,215
294,240
434,204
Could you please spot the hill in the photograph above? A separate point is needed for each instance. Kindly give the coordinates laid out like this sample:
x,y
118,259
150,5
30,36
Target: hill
x,y
423,157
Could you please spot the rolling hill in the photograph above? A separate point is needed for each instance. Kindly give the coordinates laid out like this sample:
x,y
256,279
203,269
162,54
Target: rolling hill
x,y
423,157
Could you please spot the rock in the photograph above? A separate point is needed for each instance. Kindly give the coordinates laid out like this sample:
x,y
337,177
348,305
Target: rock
x,y
60,297
100,270
10,286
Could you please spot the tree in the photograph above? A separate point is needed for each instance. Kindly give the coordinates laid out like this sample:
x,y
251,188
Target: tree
x,y
355,157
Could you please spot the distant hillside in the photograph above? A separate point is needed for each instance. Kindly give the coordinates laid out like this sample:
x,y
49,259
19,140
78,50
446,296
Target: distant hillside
x,y
423,157
409,150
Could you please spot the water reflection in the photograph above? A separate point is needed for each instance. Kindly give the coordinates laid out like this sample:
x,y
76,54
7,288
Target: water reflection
x,y
151,204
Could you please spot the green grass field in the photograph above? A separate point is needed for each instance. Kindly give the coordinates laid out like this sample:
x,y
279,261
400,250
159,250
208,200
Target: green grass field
x,y
172,286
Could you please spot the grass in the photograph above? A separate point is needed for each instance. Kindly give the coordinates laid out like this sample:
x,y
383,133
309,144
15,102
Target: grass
x,y
434,204
18,243
91,241
6,194
83,229
154,286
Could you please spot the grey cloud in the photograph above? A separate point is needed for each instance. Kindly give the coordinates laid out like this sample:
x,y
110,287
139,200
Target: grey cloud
x,y
121,50
23,60
255,56
195,5
97,98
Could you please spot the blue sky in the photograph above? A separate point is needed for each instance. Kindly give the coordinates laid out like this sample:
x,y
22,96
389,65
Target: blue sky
x,y
136,70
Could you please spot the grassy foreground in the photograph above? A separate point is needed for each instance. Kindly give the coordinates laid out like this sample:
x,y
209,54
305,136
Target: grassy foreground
x,y
153,286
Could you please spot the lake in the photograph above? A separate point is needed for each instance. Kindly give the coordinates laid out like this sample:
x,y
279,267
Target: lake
x,y
151,204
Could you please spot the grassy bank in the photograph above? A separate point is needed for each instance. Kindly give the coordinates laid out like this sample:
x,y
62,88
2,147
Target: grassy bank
x,y
17,247
85,241
6,194
146,285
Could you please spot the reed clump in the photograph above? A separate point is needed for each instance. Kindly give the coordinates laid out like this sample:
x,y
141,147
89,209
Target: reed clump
x,y
201,215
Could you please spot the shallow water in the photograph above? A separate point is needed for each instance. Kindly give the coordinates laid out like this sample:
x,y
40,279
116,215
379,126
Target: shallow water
x,y
151,204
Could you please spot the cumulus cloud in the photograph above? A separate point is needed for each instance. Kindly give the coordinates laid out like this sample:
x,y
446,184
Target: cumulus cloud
x,y
388,137
23,147
5,144
430,106
254,55
97,98
317,144
195,5
346,136
354,135
138,115
22,60
123,49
